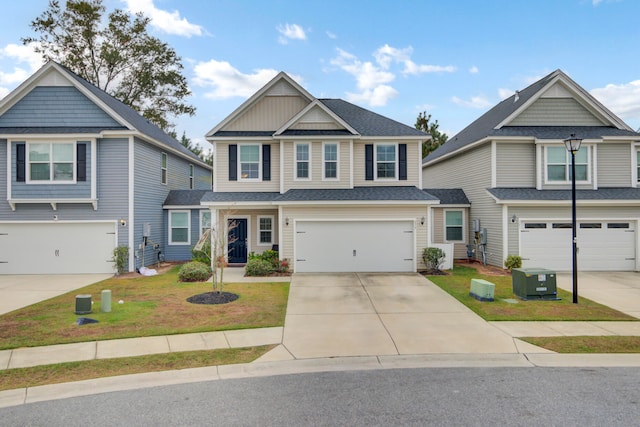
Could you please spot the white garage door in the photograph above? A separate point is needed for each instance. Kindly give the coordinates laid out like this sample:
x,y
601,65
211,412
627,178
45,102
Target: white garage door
x,y
602,245
350,246
57,248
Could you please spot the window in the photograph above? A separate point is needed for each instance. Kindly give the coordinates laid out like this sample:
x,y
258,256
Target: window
x,y
453,226
330,160
386,164
191,179
303,161
179,229
205,221
558,161
535,225
265,230
638,166
163,168
249,161
51,162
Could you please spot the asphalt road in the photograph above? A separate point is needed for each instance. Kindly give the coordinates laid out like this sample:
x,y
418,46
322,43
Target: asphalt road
x,y
468,396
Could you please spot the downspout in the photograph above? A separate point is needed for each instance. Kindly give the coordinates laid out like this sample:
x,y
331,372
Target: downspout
x,y
132,222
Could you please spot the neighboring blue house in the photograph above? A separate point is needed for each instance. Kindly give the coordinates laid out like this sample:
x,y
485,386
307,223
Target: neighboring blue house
x,y
82,173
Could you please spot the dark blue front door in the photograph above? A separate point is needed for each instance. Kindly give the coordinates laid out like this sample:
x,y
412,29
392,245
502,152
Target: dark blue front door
x,y
237,241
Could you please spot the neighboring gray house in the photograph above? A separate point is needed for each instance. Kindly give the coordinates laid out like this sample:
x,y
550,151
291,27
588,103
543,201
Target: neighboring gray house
x,y
81,173
515,170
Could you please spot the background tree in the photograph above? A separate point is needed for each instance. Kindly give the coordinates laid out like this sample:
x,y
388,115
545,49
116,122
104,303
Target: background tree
x,y
117,55
424,123
206,156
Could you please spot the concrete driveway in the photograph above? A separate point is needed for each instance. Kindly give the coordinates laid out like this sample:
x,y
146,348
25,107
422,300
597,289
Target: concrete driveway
x,y
618,290
362,314
19,291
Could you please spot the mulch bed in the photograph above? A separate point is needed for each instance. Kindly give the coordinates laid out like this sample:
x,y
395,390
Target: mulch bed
x,y
213,298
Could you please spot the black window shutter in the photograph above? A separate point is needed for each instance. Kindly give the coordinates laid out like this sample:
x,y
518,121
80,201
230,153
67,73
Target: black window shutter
x,y
402,165
368,162
233,162
81,159
266,162
20,163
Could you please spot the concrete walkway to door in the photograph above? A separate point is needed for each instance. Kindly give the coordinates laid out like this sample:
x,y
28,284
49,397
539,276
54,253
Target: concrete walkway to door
x,y
364,314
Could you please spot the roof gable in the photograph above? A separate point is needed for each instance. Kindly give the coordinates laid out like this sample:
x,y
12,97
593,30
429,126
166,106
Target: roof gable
x,y
317,117
282,89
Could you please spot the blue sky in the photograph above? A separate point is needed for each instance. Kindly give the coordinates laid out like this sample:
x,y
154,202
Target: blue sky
x,y
454,59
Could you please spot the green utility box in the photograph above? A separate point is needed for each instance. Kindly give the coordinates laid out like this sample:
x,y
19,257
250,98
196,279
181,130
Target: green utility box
x,y
534,283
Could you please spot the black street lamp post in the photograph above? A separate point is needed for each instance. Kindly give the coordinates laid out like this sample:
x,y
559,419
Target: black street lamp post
x,y
573,145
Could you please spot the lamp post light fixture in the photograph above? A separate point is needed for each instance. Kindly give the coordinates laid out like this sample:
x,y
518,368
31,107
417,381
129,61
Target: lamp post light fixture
x,y
573,145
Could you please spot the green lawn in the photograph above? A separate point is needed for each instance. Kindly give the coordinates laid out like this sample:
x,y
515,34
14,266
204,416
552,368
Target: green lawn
x,y
458,282
154,305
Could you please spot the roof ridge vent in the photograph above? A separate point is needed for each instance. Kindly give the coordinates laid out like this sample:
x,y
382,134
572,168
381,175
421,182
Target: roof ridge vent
x,y
517,96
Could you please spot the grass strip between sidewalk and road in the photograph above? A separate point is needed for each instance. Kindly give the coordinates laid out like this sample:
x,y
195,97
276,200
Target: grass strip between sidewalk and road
x,y
151,306
78,371
587,344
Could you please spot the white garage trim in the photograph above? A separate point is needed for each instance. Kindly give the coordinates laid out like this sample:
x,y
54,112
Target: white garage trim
x,y
363,250
57,247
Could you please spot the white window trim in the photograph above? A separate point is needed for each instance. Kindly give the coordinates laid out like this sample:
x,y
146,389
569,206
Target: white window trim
x,y
259,178
444,223
324,162
188,242
568,166
295,161
375,162
258,242
635,166
164,174
192,179
50,181
202,212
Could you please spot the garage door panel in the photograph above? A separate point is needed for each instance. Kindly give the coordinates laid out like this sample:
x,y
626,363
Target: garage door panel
x,y
602,245
56,248
350,246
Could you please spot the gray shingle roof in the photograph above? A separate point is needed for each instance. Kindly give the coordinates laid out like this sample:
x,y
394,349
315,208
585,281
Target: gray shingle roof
x,y
143,125
240,196
485,125
55,130
449,196
357,194
525,194
184,197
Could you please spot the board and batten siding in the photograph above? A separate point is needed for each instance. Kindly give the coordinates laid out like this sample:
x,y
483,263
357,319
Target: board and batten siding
x,y
414,153
268,114
476,164
357,213
556,112
222,182
563,213
24,190
614,165
56,106
516,165
317,172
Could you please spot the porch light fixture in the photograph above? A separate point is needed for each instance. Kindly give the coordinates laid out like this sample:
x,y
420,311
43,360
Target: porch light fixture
x,y
573,145
123,222
422,220
286,221
514,218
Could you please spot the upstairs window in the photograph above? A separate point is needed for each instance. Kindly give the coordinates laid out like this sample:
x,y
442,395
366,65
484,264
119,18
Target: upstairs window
x,y
330,160
51,162
303,161
558,162
453,226
163,169
386,165
249,163
638,165
191,178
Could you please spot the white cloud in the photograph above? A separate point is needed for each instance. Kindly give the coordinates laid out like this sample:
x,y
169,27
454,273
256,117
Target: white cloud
x,y
376,97
475,102
411,68
623,99
227,81
368,75
19,55
386,55
474,70
505,93
168,22
290,32
331,35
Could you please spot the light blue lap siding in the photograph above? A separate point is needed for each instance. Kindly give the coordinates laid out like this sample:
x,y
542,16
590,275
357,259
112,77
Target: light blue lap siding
x,y
56,106
24,190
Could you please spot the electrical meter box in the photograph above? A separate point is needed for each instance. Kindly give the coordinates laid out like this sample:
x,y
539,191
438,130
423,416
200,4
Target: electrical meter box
x,y
534,283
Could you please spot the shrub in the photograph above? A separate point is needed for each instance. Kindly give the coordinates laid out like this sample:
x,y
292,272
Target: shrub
x,y
194,271
513,261
204,255
433,258
120,258
258,267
